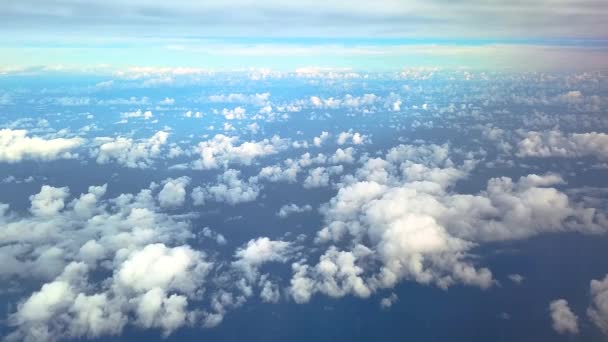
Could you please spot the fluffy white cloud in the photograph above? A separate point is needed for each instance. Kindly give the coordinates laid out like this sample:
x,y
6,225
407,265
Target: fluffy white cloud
x,y
152,285
302,286
429,155
59,311
276,173
235,113
564,320
262,250
254,99
289,170
49,201
557,144
400,215
173,193
320,176
158,266
219,238
351,137
16,146
137,114
365,103
248,260
167,101
97,229
156,309
598,311
343,156
337,274
198,196
387,302
91,252
293,208
307,160
44,304
270,292
318,141
95,315
229,189
223,150
516,278
129,153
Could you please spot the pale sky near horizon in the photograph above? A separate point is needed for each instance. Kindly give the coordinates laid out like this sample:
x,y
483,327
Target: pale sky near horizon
x,y
385,34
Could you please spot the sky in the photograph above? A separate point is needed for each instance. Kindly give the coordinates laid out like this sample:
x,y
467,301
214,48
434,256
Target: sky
x,y
386,34
297,171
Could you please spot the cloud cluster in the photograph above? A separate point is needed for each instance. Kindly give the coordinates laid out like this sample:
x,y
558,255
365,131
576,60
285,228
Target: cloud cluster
x,y
236,113
397,218
173,193
293,208
128,152
320,176
230,189
16,146
564,320
387,302
363,103
354,138
86,265
317,177
598,311
137,114
554,143
152,285
258,99
223,150
149,283
260,251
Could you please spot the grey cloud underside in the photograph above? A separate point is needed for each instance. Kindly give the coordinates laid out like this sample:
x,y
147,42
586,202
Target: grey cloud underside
x,y
444,19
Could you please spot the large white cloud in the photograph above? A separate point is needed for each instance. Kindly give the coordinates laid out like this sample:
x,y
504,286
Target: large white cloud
x,y
223,150
16,145
260,251
318,141
398,219
49,201
564,320
230,188
173,193
351,137
277,173
137,114
554,143
152,285
130,153
97,228
598,311
157,266
292,208
60,310
320,176
290,168
235,113
255,99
